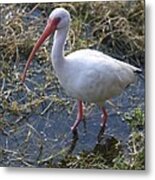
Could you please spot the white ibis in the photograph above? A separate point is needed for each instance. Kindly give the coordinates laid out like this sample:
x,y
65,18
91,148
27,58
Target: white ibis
x,y
87,75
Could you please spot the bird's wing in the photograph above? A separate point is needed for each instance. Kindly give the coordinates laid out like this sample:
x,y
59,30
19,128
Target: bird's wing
x,y
93,68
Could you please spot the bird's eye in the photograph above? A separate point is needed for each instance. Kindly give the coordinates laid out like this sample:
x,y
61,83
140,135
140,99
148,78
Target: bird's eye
x,y
56,20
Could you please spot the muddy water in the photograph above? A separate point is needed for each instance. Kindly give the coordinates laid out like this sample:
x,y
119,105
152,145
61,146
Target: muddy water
x,y
36,136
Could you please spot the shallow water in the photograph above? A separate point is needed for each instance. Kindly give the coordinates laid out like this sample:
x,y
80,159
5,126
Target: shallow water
x,y
36,136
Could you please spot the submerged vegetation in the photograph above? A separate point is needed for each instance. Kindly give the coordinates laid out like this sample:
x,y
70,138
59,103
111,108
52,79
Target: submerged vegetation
x,y
35,117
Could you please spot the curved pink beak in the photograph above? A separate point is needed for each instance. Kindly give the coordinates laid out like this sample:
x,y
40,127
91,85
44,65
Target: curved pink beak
x,y
49,29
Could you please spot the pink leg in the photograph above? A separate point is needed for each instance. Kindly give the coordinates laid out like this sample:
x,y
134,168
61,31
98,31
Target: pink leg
x,y
104,117
79,116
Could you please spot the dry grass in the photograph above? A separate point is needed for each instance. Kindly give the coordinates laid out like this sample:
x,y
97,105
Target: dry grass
x,y
116,28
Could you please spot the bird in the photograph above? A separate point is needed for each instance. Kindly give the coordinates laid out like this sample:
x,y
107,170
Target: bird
x,y
87,75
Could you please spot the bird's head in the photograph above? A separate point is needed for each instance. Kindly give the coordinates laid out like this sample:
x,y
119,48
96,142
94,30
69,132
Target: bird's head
x,y
58,19
60,15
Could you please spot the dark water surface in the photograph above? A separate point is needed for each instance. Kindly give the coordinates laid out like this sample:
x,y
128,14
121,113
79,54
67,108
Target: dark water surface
x,y
43,133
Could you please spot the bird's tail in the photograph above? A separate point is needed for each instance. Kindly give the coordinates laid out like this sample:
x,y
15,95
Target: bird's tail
x,y
137,70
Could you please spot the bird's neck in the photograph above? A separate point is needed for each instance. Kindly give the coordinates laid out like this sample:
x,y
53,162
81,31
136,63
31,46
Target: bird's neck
x,y
58,47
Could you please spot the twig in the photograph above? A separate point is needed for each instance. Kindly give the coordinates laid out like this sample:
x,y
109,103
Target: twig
x,y
47,108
